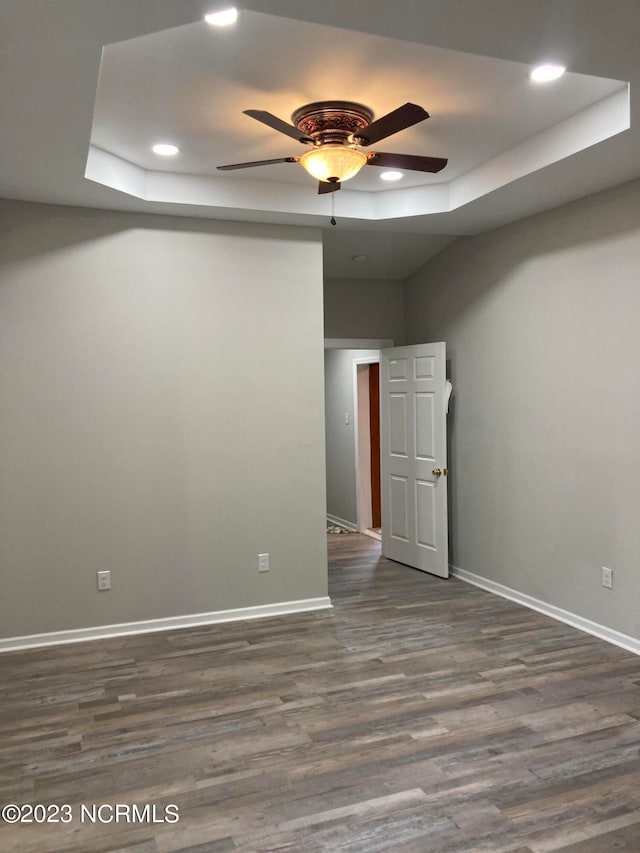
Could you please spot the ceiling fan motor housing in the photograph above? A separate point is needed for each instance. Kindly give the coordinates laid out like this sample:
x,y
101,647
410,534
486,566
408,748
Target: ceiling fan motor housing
x,y
332,122
335,131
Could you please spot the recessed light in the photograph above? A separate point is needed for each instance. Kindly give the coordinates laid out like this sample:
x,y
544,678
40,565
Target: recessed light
x,y
224,18
546,73
391,176
359,258
165,149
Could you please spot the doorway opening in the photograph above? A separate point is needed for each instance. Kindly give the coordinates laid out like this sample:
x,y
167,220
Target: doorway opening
x,y
352,495
367,437
386,427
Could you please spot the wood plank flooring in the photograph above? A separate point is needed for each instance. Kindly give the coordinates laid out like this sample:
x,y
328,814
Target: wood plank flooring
x,y
418,715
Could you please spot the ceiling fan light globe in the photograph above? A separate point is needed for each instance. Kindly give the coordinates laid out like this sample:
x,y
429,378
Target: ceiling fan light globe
x,y
333,161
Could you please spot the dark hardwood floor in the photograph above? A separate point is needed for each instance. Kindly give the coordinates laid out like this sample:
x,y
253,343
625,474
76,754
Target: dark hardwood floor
x,y
420,715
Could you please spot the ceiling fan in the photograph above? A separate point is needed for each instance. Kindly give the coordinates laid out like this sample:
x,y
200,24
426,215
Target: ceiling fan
x,y
335,132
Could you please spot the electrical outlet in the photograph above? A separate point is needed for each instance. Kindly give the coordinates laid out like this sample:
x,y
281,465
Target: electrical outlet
x,y
104,580
607,578
263,562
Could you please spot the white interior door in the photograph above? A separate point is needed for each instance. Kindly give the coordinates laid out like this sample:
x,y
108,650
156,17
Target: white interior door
x,y
413,456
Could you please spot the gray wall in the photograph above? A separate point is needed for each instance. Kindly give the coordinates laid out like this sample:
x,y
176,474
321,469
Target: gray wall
x,y
161,416
340,437
355,308
542,323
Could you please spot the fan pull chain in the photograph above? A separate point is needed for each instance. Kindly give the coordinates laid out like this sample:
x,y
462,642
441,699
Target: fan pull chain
x,y
333,209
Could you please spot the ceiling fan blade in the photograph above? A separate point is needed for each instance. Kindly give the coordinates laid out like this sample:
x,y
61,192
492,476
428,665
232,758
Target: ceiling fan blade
x,y
277,124
407,161
328,187
400,119
258,163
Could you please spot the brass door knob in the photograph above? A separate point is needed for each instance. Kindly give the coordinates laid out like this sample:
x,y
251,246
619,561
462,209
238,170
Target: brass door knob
x,y
437,472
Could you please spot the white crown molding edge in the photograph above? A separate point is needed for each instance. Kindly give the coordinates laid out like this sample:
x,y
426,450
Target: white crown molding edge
x,y
609,635
169,623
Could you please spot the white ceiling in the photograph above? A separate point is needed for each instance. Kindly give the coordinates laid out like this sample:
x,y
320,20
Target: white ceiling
x,y
50,58
190,84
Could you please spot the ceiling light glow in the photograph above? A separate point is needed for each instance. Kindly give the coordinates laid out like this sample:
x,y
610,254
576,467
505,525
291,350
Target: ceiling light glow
x,y
337,162
391,176
224,18
546,73
165,149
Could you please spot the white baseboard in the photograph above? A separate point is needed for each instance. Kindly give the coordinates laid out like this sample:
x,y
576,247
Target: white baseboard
x,y
348,525
631,644
373,535
170,623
